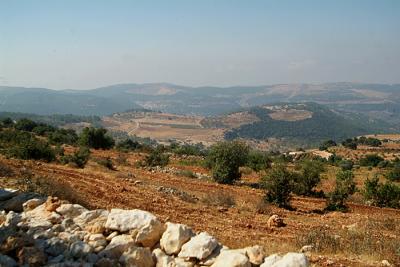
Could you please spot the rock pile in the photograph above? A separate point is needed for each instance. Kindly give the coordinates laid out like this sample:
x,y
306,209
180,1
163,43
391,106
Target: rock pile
x,y
51,232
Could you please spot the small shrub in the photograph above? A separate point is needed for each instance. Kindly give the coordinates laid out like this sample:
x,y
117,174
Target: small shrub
x,y
257,160
381,194
371,160
96,138
63,136
106,162
321,239
309,178
225,158
32,148
156,158
327,144
394,174
5,170
129,145
186,173
25,125
263,207
346,165
279,183
350,143
79,158
345,187
219,199
122,159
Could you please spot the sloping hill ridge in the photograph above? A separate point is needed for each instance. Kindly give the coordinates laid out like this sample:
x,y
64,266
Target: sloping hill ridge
x,y
318,123
380,101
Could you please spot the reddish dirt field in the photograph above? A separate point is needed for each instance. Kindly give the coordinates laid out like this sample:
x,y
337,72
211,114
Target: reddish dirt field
x,y
238,226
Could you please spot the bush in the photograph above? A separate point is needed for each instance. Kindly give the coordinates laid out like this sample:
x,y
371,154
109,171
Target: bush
x,y
382,195
219,199
25,125
26,146
394,174
369,141
278,184
257,160
346,165
79,158
345,187
156,158
63,136
327,144
5,170
96,138
7,122
350,143
225,158
371,160
129,145
309,178
188,149
106,162
186,173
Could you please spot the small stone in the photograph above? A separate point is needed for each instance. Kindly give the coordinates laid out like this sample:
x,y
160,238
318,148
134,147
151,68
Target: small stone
x,y
80,249
275,221
32,204
307,248
6,261
31,256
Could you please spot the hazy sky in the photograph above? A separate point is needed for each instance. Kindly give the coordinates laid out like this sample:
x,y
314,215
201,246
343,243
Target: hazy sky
x,y
87,44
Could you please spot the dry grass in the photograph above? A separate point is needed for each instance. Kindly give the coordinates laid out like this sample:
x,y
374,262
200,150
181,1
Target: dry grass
x,y
219,199
369,240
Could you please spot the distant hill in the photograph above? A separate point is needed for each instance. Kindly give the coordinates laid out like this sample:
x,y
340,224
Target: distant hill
x,y
310,122
380,101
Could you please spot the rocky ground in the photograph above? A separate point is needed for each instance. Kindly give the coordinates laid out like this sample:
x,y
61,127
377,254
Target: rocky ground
x,y
364,236
35,231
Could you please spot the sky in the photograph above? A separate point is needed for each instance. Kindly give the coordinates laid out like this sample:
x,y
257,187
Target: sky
x,y
76,44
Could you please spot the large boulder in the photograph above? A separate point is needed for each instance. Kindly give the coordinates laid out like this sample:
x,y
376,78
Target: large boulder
x,y
231,258
255,254
117,246
292,260
270,260
71,210
40,217
174,237
147,228
7,193
6,261
90,215
199,247
138,257
15,203
162,259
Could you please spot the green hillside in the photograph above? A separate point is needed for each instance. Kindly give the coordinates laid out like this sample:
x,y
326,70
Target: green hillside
x,y
324,124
